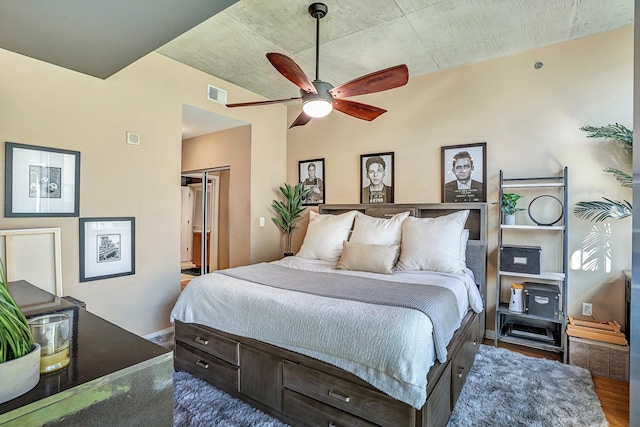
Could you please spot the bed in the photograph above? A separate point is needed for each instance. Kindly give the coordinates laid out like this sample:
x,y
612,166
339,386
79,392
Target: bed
x,y
337,335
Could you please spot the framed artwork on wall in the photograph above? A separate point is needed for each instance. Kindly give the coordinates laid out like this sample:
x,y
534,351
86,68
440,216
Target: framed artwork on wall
x,y
464,173
107,247
311,175
376,178
41,182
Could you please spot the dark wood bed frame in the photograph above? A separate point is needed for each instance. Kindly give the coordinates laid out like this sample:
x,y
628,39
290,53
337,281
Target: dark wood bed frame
x,y
303,391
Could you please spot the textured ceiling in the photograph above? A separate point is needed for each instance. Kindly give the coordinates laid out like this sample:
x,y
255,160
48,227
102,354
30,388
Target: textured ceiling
x,y
361,36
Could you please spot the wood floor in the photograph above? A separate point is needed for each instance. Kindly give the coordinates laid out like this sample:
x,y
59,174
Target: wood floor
x,y
613,394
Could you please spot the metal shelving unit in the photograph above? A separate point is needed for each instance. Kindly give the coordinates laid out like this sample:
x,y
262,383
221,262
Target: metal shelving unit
x,y
553,276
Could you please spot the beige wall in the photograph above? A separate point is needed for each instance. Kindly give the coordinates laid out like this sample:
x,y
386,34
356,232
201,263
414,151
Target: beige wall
x,y
530,120
42,104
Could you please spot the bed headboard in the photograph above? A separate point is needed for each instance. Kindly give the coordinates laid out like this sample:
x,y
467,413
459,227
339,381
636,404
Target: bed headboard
x,y
476,224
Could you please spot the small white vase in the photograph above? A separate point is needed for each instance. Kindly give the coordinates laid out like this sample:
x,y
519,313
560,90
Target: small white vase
x,y
20,375
510,219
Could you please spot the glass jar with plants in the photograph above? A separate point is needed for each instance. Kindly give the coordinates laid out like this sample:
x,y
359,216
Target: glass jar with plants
x,y
289,211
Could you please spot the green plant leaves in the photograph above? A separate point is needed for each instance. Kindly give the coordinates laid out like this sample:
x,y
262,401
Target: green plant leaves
x,y
598,211
617,131
15,335
290,210
508,204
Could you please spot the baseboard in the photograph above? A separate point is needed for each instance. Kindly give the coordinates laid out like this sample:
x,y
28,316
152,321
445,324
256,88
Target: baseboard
x,y
159,333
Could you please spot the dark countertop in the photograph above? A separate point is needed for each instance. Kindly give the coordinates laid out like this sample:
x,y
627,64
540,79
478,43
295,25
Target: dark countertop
x,y
98,348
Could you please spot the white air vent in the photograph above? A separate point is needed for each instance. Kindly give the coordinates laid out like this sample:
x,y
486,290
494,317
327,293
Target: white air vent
x,y
216,94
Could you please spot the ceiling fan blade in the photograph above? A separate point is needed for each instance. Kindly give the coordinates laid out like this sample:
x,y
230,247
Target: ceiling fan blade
x,y
273,101
357,109
386,79
291,71
301,120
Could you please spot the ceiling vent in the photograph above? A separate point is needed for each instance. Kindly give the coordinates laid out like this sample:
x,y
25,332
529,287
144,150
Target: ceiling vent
x,y
216,94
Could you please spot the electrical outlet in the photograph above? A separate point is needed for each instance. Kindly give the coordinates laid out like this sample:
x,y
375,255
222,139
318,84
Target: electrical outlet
x,y
587,309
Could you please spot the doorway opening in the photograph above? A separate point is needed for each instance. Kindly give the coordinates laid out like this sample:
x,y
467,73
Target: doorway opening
x,y
201,225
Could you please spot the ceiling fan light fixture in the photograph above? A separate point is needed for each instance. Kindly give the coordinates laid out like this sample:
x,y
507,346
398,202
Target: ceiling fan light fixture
x,y
320,98
317,108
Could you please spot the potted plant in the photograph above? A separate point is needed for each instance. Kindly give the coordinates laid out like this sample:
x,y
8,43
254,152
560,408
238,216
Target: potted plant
x,y
19,355
599,210
289,211
509,208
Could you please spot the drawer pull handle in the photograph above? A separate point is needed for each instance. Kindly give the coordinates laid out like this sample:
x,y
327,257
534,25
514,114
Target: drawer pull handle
x,y
475,342
339,396
332,424
202,341
202,364
460,372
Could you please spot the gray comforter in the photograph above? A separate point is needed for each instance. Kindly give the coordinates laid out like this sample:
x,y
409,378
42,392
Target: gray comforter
x,y
438,303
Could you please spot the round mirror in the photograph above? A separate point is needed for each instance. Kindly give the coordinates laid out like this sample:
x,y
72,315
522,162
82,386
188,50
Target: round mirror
x,y
545,210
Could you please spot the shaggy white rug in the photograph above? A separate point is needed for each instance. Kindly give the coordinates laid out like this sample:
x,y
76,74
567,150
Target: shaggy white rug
x,y
503,388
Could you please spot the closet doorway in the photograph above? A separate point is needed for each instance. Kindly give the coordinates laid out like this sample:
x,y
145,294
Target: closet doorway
x,y
200,222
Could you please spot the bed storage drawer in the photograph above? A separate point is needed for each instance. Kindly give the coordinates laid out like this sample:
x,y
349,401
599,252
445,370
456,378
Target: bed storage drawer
x,y
207,341
463,358
313,413
206,366
347,396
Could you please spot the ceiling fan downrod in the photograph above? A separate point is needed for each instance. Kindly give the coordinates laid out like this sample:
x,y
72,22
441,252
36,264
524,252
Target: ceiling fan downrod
x,y
318,11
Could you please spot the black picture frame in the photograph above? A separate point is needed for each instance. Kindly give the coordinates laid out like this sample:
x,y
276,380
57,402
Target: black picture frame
x,y
41,181
316,184
385,164
107,248
474,157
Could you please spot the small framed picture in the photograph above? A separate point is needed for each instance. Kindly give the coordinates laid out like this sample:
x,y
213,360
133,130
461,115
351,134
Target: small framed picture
x,y
376,178
107,247
464,173
311,175
41,182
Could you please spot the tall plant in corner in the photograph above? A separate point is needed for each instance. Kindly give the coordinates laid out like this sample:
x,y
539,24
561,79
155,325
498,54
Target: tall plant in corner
x,y
289,211
609,209
15,336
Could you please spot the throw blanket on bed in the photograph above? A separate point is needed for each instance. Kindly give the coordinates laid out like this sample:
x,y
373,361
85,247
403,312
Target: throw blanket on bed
x,y
436,302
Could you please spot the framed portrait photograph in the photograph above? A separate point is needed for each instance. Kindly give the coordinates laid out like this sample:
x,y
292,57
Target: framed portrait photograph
x,y
464,173
41,181
107,247
311,175
376,178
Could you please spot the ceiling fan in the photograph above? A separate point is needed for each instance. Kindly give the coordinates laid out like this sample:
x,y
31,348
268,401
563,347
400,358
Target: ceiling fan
x,y
319,97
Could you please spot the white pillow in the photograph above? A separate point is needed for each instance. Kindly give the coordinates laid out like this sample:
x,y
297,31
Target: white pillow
x,y
373,258
464,238
432,243
325,235
368,230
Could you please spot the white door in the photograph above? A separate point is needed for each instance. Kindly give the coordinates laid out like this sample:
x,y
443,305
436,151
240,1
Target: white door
x,y
186,227
212,214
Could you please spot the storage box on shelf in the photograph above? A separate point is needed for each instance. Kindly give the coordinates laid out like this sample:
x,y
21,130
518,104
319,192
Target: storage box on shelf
x,y
520,259
542,300
534,253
